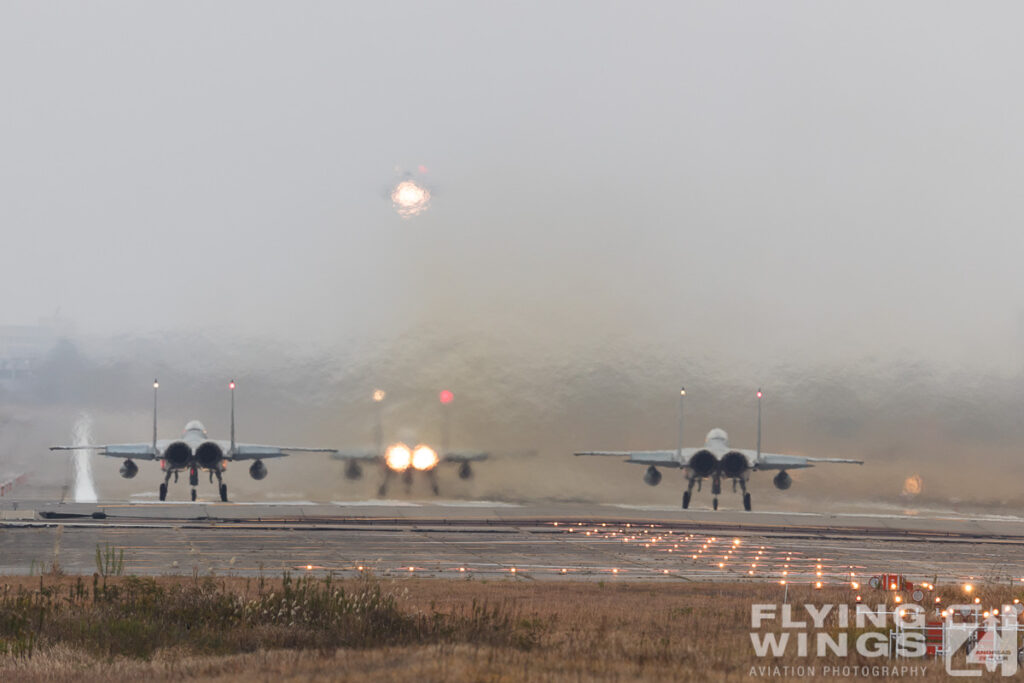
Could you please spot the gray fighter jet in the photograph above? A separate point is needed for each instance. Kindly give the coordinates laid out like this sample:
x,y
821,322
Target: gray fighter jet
x,y
717,460
193,452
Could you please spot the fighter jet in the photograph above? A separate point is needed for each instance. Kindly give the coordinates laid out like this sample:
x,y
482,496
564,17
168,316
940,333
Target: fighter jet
x,y
193,452
717,460
402,458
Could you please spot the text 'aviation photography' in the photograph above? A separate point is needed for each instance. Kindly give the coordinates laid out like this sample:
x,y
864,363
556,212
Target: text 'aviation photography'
x,y
420,283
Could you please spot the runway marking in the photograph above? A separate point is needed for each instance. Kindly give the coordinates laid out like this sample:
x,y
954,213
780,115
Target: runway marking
x,y
376,503
476,504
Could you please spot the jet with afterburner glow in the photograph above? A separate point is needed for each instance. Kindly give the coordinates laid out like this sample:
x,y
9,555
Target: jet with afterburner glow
x,y
401,458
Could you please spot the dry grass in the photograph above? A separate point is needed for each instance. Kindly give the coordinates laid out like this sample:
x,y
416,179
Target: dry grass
x,y
424,630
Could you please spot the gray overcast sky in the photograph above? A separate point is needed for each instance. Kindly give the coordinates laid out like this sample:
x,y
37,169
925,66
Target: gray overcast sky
x,y
750,181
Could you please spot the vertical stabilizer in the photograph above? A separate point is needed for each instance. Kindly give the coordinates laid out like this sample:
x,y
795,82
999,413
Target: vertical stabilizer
x,y
156,386
679,440
760,394
445,397
231,386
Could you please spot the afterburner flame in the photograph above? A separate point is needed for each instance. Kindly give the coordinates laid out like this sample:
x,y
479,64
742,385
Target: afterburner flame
x,y
398,457
912,486
424,458
410,199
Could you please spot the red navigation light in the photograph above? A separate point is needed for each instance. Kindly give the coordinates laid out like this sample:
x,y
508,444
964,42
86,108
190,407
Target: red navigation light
x,y
231,385
446,397
759,394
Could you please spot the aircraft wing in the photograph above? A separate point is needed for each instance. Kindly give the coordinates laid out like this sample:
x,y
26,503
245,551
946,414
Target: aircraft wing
x,y
658,458
250,451
135,451
776,461
356,455
465,456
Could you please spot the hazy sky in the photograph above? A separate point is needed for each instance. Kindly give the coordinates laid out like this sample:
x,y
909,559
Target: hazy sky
x,y
807,195
743,178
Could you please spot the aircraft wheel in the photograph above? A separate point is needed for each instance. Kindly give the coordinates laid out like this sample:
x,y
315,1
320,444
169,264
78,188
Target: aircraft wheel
x,y
163,491
746,502
686,499
224,492
714,503
193,494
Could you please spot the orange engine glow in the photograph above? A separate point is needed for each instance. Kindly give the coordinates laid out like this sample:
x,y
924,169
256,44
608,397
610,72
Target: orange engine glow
x,y
424,458
398,457
410,199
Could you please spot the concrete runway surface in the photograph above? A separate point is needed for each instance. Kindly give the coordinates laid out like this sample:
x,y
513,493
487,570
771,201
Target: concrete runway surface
x,y
542,541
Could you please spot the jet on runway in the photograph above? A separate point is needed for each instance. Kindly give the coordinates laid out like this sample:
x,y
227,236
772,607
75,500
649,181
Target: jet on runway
x,y
717,460
193,452
402,459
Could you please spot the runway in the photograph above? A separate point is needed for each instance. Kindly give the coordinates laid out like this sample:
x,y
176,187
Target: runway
x,y
491,539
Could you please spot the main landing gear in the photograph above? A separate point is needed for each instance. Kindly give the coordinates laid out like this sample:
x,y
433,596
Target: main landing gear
x,y
688,493
163,486
716,489
222,488
193,478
